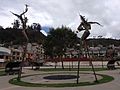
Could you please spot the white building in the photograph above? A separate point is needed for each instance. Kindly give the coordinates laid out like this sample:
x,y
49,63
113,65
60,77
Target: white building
x,y
5,55
35,51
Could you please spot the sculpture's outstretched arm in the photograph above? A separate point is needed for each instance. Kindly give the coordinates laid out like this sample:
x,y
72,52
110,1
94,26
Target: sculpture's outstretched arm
x,y
95,23
82,18
15,14
26,9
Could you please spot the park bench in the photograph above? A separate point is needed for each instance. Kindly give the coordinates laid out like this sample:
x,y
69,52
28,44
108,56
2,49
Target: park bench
x,y
111,63
36,64
12,68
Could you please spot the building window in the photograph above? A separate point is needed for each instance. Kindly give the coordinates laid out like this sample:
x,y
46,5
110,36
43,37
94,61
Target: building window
x,y
13,57
17,58
18,53
13,53
1,56
6,57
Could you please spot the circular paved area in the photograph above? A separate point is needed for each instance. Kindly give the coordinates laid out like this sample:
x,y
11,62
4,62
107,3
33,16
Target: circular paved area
x,y
84,77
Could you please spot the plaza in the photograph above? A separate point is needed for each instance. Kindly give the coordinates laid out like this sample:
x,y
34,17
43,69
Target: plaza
x,y
59,45
37,77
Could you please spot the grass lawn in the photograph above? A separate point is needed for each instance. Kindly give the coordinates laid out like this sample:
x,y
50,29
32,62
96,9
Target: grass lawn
x,y
2,72
105,79
72,69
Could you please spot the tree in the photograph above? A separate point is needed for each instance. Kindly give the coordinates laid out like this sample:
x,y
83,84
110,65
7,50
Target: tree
x,y
58,40
16,36
36,26
1,27
16,24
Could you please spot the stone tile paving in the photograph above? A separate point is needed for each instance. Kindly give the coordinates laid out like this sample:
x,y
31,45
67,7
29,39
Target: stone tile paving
x,y
114,85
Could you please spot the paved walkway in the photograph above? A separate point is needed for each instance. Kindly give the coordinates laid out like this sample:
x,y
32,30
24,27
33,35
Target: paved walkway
x,y
114,85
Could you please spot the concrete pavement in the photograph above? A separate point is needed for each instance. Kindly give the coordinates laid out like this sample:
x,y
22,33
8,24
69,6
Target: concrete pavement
x,y
114,85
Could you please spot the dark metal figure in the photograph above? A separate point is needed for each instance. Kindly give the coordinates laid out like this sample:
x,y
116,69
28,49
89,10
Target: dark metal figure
x,y
85,25
23,20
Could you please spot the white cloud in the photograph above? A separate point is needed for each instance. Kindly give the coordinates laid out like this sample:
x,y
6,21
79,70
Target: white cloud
x,y
65,12
44,18
108,35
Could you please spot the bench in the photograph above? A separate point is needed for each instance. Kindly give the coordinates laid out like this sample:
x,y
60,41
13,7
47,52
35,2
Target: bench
x,y
36,64
111,64
12,68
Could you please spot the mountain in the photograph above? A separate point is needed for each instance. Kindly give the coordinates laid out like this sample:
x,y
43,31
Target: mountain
x,y
15,36
103,41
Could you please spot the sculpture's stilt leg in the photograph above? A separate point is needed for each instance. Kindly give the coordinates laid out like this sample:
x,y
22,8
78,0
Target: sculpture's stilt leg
x,y
78,71
85,25
93,69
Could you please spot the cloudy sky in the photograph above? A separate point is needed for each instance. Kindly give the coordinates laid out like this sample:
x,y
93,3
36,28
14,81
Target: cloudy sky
x,y
66,12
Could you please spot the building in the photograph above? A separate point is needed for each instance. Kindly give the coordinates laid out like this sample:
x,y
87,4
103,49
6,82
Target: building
x,y
35,52
5,55
16,54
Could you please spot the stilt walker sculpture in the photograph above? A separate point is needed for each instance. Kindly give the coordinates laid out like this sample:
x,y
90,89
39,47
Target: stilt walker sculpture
x,y
85,25
23,20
